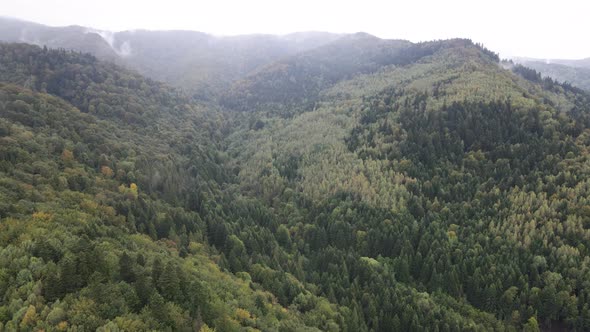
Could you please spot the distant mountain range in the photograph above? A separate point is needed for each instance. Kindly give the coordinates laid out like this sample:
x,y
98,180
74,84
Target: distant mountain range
x,y
580,63
201,61
208,65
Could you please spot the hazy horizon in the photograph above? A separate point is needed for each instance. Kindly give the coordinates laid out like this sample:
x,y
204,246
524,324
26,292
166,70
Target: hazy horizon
x,y
550,31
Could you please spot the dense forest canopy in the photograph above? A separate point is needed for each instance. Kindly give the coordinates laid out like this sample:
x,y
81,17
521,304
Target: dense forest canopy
x,y
351,184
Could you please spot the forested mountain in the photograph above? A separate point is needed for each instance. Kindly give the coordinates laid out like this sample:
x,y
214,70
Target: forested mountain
x,y
575,72
71,38
295,82
202,63
356,184
578,76
436,169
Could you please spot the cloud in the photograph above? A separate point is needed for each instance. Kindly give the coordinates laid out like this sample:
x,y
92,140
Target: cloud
x,y
123,50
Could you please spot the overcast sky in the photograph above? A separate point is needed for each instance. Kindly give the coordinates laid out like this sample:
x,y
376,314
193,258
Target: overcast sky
x,y
542,29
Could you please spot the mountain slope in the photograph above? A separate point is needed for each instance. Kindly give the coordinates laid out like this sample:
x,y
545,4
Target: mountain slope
x,y
461,177
106,220
296,82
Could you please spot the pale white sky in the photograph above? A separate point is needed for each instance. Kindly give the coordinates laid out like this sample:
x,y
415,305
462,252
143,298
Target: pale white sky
x,y
542,29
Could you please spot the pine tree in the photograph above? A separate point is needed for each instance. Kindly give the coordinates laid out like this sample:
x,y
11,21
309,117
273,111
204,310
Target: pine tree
x,y
169,283
143,289
126,268
158,309
157,270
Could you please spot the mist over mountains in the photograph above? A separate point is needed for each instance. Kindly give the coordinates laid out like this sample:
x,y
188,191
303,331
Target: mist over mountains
x,y
183,58
210,64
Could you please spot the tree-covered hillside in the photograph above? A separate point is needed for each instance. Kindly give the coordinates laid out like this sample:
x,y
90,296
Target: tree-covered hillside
x,y
462,178
295,83
108,206
362,185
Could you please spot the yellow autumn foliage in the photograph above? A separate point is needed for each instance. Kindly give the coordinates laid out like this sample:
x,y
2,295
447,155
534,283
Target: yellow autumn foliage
x,y
242,314
107,171
134,190
42,216
30,317
206,328
62,326
67,156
